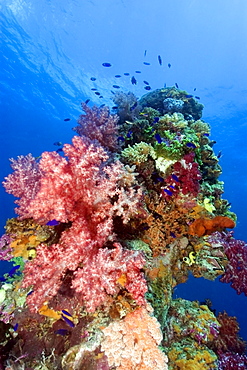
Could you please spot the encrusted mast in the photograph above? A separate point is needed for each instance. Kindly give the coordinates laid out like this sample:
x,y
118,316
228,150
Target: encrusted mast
x,y
104,233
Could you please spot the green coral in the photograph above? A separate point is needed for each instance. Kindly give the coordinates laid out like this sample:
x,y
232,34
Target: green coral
x,y
176,120
138,153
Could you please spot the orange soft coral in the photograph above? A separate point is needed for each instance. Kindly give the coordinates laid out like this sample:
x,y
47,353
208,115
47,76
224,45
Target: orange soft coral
x,y
132,343
204,226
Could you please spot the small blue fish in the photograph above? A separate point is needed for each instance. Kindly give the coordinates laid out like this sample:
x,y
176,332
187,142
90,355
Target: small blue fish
x,y
189,96
197,97
87,101
16,326
219,155
156,119
195,89
133,80
169,65
133,106
206,134
160,60
129,134
145,227
116,86
68,321
191,145
93,79
53,223
102,105
66,313
164,84
126,74
120,138
145,53
146,63
61,332
147,88
171,186
58,143
101,96
117,76
106,64
29,293
97,93
146,83
168,192
172,234
176,85
159,179
93,89
67,119
115,107
137,71
13,270
158,138
59,150
175,178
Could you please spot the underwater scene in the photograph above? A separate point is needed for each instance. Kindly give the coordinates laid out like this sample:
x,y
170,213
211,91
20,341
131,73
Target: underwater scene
x,y
123,243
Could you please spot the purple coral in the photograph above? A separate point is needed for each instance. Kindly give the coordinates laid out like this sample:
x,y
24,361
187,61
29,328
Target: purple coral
x,y
98,124
236,252
5,250
232,361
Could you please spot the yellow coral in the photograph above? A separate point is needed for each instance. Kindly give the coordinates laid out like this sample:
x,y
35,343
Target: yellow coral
x,y
208,205
163,164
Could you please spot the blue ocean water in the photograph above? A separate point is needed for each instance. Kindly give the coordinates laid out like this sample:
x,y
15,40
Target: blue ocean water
x,y
51,49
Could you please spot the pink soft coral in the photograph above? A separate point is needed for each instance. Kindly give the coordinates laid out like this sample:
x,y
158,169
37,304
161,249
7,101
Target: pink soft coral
x,y
24,182
98,124
79,186
99,276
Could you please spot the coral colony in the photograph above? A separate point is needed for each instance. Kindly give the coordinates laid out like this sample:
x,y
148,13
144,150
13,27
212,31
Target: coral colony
x,y
106,229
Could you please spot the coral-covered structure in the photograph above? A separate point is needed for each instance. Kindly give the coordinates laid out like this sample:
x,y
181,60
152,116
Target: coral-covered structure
x,y
104,233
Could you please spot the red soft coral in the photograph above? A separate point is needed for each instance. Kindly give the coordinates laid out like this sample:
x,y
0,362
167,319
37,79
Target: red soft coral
x,y
184,178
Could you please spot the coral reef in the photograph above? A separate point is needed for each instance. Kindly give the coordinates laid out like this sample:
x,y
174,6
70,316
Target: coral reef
x,y
105,232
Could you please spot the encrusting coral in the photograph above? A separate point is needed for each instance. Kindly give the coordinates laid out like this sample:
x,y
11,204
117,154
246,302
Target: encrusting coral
x,y
106,230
